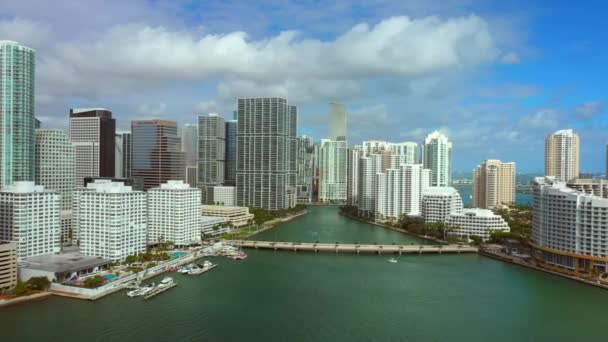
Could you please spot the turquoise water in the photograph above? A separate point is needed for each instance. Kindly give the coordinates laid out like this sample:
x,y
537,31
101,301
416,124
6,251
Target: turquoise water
x,y
110,276
176,255
286,296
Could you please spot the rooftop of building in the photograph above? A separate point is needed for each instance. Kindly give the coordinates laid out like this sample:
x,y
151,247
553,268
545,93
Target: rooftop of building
x,y
222,207
440,191
109,186
23,187
67,262
478,212
174,185
563,187
568,131
84,110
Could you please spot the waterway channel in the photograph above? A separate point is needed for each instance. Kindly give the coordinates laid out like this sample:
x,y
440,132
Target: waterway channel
x,y
286,296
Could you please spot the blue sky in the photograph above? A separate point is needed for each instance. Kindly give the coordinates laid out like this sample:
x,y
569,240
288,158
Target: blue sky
x,y
495,76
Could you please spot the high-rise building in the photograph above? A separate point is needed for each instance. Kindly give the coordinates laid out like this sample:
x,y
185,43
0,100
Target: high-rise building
x,y
437,156
222,195
569,228
192,175
493,184
55,170
332,171
409,151
189,135
562,155
266,147
211,152
122,155
156,155
111,219
92,131
305,168
438,203
230,157
399,191
337,122
30,216
55,164
8,265
17,122
369,167
352,176
174,211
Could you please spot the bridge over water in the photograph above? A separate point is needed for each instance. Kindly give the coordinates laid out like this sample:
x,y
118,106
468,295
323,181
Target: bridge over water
x,y
353,248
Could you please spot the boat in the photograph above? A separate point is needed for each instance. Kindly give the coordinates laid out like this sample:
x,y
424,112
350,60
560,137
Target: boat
x,y
141,291
167,281
164,285
202,268
392,260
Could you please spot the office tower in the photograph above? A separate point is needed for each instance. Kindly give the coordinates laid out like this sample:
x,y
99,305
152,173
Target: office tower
x,y
438,203
17,122
337,122
192,175
8,265
111,219
266,144
189,135
122,155
174,212
352,176
55,164
37,123
222,195
399,191
305,168
211,152
493,184
569,228
332,171
476,222
92,131
409,151
55,170
369,166
156,155
437,156
30,216
230,157
562,155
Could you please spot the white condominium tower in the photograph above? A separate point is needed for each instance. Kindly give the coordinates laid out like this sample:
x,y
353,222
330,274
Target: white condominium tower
x,y
569,228
266,146
332,168
439,202
493,184
122,155
55,163
399,190
562,155
369,166
174,211
29,215
111,220
352,176
407,149
305,168
437,156
93,130
17,123
337,122
211,152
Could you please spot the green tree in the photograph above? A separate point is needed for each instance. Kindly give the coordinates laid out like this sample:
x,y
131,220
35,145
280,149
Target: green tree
x,y
95,281
131,259
39,283
20,289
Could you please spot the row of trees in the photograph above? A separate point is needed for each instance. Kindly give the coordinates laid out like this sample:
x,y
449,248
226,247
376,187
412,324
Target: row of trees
x,y
262,216
33,284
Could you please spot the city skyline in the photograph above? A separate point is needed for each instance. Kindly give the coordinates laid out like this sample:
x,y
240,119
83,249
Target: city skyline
x,y
511,86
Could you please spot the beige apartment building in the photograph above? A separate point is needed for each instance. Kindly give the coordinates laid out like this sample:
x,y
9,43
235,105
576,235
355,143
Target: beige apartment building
x,y
493,184
238,216
8,265
562,155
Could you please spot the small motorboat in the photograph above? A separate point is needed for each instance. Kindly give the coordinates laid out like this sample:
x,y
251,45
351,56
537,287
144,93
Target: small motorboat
x,y
392,260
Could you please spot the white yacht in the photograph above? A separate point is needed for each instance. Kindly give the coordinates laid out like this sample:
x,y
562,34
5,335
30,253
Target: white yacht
x,y
392,260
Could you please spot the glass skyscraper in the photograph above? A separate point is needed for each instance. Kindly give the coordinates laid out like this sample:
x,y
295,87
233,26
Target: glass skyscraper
x,y
231,129
156,155
17,122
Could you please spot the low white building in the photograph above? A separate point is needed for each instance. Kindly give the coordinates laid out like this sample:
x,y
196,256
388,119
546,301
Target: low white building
x,y
30,216
111,219
439,202
222,195
238,216
174,213
479,222
212,226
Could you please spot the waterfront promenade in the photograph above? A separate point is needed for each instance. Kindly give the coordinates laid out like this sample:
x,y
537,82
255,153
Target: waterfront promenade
x,y
353,248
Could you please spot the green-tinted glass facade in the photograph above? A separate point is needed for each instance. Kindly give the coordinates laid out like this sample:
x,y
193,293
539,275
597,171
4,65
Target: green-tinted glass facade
x,y
17,122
